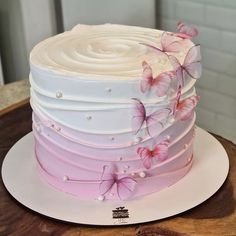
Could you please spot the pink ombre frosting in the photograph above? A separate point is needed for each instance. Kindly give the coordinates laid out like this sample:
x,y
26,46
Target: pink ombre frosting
x,y
82,87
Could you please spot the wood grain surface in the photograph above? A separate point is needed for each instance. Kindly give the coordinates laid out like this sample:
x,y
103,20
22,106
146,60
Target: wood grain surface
x,y
216,216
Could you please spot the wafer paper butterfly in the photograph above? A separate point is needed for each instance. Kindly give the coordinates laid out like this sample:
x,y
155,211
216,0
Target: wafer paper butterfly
x,y
153,122
183,110
159,152
190,67
186,31
160,83
169,44
125,185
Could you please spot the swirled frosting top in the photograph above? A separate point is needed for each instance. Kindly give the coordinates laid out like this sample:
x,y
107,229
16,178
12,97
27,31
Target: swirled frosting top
x,y
103,51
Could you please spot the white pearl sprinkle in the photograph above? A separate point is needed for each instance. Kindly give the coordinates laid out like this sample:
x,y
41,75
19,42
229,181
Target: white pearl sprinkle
x,y
38,128
111,194
101,198
123,171
137,140
89,117
142,174
58,129
59,94
186,146
168,137
133,174
108,90
65,178
171,120
127,167
189,159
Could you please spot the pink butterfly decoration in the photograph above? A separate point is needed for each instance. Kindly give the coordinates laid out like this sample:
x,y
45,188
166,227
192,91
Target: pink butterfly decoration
x,y
186,31
184,109
190,67
154,122
168,44
160,83
124,185
159,152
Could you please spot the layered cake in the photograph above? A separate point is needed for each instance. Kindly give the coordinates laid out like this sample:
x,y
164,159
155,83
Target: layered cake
x,y
113,109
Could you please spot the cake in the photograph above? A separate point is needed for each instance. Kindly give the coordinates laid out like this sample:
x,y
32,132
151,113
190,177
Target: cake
x,y
113,109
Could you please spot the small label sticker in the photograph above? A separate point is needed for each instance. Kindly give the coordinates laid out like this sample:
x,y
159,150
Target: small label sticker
x,y
120,215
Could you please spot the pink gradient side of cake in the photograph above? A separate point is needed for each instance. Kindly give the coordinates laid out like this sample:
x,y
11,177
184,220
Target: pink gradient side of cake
x,y
83,85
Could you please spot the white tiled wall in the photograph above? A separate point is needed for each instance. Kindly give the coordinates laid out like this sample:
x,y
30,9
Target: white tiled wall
x,y
215,20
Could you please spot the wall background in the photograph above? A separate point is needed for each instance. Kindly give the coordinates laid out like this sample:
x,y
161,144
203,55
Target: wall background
x,y
127,12
23,23
215,20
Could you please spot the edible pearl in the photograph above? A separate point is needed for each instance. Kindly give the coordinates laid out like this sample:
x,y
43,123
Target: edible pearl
x,y
137,140
65,178
111,194
126,167
108,90
101,198
59,94
133,174
186,146
123,171
171,120
89,117
58,129
168,138
38,128
189,159
142,174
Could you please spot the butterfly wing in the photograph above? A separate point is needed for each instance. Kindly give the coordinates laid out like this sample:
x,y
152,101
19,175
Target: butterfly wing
x,y
178,69
186,31
145,155
159,51
185,108
160,151
174,62
107,180
147,78
125,187
192,65
176,101
155,121
194,70
193,55
139,115
169,43
162,83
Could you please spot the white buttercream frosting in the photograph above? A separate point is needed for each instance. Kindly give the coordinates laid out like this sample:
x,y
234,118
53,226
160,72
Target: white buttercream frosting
x,y
105,51
86,78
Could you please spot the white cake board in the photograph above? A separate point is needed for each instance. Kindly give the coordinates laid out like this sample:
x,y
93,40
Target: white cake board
x,y
209,171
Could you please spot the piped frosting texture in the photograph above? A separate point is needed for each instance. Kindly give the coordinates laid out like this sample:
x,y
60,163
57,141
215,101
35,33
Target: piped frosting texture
x,y
105,51
91,112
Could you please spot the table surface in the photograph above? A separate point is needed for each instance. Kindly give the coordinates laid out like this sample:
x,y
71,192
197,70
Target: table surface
x,y
13,95
216,216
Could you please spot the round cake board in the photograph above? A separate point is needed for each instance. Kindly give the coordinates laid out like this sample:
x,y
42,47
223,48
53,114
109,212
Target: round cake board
x,y
209,171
